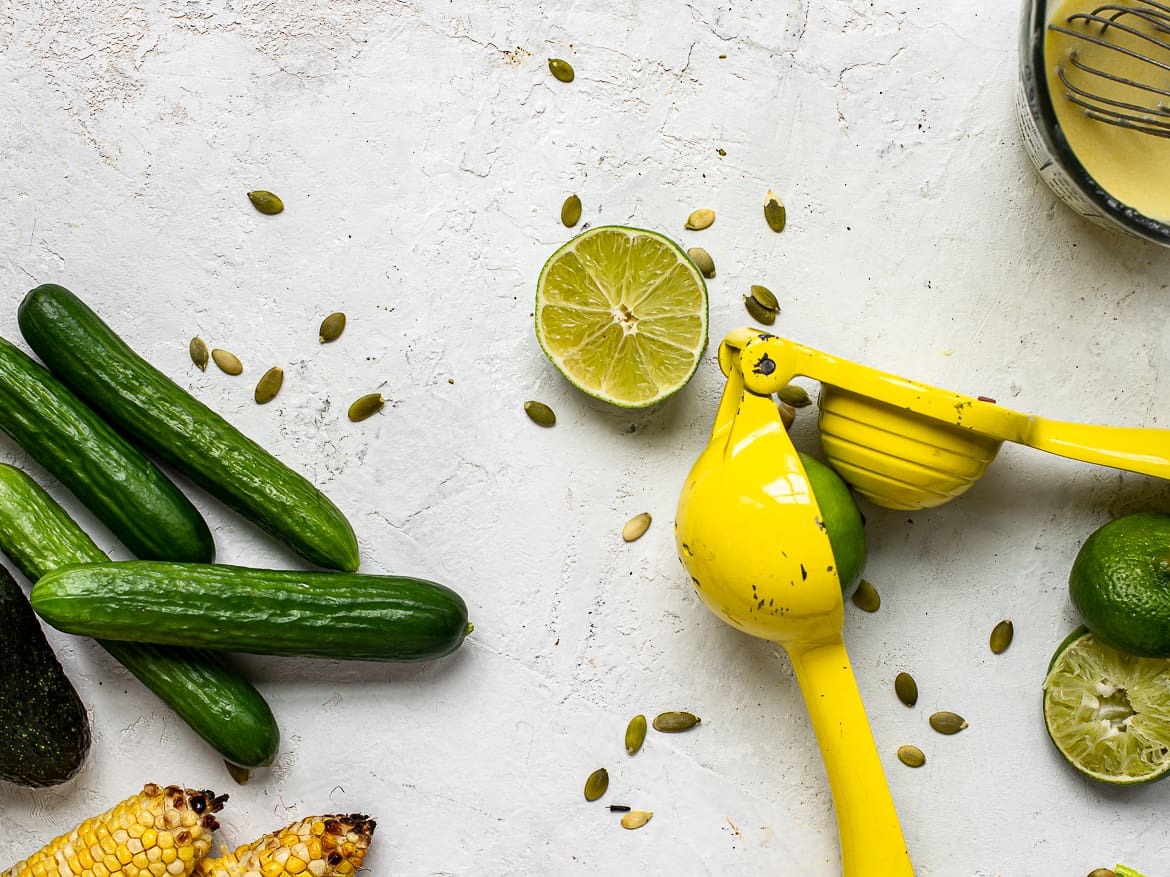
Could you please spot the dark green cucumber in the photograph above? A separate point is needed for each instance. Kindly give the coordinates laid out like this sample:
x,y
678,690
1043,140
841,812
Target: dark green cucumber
x,y
126,491
151,409
44,729
262,611
219,704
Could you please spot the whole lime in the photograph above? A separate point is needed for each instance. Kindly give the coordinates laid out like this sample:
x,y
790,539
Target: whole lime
x,y
1120,583
843,522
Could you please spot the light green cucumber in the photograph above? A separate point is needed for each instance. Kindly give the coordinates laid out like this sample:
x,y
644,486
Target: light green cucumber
x,y
154,411
219,704
262,611
126,491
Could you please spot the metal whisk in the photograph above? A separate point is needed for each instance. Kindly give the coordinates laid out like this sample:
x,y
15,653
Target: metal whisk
x,y
1114,20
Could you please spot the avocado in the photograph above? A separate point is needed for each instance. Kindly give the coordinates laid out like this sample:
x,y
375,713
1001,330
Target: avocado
x,y
44,728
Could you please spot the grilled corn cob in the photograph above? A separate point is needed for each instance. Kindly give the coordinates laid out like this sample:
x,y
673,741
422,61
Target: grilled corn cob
x,y
320,846
161,832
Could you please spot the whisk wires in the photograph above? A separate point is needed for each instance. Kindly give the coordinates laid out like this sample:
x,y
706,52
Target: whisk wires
x,y
1110,107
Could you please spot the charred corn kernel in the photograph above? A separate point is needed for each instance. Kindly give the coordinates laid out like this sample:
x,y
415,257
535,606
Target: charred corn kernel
x,y
321,846
133,839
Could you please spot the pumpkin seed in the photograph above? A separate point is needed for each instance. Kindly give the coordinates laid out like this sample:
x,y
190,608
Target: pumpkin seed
x,y
1001,636
700,219
774,213
539,413
1102,872
561,69
331,328
764,296
269,385
946,722
635,734
703,261
597,783
636,527
787,414
636,819
366,406
673,722
866,597
795,395
240,774
571,211
906,689
759,313
911,756
266,202
198,350
227,362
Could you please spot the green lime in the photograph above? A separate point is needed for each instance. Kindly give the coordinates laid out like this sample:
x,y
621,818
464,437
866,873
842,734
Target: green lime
x,y
622,313
843,522
1108,712
1120,583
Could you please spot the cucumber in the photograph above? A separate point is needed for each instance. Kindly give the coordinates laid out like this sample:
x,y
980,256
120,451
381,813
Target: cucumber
x,y
219,704
262,611
44,729
127,492
165,419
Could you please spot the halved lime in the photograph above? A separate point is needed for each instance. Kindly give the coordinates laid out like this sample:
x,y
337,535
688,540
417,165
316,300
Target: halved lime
x,y
843,522
622,313
1108,712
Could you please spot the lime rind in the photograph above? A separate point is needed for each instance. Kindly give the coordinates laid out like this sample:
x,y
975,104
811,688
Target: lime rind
x,y
607,271
1108,713
1120,584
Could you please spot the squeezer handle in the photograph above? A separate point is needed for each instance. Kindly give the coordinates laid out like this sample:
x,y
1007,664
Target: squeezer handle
x,y
1135,449
871,836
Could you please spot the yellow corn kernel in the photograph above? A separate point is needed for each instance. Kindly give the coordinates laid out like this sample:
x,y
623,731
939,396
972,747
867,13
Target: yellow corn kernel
x,y
320,846
118,843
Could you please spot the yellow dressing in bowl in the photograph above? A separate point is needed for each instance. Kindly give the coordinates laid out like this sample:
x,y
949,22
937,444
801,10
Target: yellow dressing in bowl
x,y
1132,166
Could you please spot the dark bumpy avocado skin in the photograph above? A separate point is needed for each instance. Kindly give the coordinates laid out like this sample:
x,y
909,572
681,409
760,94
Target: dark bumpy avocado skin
x,y
44,729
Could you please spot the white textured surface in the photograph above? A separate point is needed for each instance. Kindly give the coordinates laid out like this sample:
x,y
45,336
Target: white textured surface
x,y
423,151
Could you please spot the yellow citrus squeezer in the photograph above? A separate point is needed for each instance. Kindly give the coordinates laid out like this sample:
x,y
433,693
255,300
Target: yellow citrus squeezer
x,y
906,445
750,533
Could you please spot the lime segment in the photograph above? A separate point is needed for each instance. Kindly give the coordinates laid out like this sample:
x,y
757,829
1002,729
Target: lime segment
x,y
1107,712
622,313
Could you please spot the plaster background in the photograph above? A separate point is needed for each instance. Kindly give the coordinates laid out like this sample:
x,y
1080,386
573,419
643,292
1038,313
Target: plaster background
x,y
423,151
